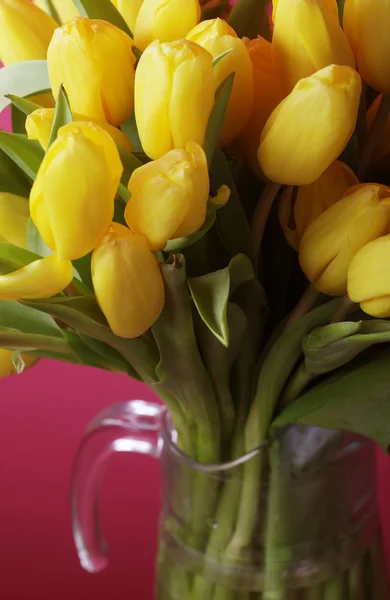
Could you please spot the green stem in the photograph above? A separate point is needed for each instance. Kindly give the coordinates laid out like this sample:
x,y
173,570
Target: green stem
x,y
335,589
260,217
31,341
374,136
298,382
356,581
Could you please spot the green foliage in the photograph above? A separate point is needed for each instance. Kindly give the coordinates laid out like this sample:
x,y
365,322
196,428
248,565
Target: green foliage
x,y
104,10
23,79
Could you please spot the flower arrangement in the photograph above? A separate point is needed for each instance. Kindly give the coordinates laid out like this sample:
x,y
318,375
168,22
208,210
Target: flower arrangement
x,y
188,200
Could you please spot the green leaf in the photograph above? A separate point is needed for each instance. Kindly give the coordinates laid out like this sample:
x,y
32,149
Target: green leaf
x,y
250,18
23,104
23,79
232,224
24,342
18,362
130,164
220,57
87,355
129,128
124,193
62,115
25,153
184,242
211,294
35,242
14,257
18,120
110,356
357,399
12,179
83,267
102,9
214,126
27,320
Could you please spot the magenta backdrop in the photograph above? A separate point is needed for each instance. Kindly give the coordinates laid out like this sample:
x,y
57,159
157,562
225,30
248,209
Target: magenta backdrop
x,y
43,415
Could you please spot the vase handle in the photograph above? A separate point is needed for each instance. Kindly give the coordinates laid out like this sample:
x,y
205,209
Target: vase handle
x,y
127,427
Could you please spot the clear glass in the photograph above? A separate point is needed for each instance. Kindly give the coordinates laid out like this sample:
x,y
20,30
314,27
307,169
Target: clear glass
x,y
316,535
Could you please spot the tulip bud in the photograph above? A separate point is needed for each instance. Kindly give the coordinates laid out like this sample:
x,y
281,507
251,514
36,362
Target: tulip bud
x,y
7,366
72,199
129,10
165,20
307,37
367,26
25,31
95,62
310,201
65,9
174,96
216,36
14,215
39,124
127,281
369,278
331,5
169,196
293,148
267,95
42,278
331,241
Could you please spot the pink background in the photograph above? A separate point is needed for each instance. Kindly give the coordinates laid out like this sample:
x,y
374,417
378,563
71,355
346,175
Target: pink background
x,y
43,415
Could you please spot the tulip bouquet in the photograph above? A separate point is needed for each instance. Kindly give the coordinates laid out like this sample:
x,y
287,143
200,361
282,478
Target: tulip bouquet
x,y
188,200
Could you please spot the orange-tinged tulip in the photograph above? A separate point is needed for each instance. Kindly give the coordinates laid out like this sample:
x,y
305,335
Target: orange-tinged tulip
x,y
169,196
95,62
7,366
14,215
307,37
39,124
174,96
267,95
298,209
331,241
72,199
165,20
350,24
129,10
216,36
25,31
293,148
369,278
127,281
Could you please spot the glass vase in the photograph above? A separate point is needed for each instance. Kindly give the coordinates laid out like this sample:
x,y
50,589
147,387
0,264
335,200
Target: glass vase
x,y
296,519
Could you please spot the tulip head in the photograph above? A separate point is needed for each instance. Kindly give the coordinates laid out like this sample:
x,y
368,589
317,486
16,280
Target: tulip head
x,y
42,278
216,36
65,9
174,96
331,241
95,62
7,366
169,196
293,148
267,95
307,37
367,25
72,199
369,278
39,124
165,20
127,281
310,201
25,31
14,215
129,10
331,5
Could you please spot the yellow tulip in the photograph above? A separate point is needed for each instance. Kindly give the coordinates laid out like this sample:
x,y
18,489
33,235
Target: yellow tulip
x,y
381,158
65,9
25,31
39,124
216,36
267,95
331,241
369,278
127,282
174,96
14,215
367,24
7,366
169,196
129,10
311,127
297,211
165,20
330,4
42,278
95,62
307,37
72,199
